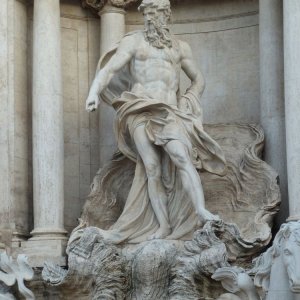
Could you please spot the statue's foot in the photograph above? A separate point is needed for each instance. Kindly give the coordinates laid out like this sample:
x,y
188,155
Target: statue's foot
x,y
204,216
161,233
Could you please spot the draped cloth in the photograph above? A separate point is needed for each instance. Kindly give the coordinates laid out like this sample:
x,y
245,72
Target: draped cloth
x,y
163,123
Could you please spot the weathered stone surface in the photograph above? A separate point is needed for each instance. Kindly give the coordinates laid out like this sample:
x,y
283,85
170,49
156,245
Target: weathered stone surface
x,y
158,269
162,269
193,267
12,271
95,268
151,266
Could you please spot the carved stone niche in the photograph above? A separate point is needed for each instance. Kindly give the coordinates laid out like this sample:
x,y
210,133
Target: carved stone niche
x,y
246,199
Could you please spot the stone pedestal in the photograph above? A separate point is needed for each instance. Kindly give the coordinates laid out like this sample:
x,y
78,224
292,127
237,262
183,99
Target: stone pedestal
x,y
292,104
39,252
112,31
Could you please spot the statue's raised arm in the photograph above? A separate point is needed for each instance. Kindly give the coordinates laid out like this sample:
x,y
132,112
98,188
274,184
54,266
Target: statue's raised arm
x,y
123,55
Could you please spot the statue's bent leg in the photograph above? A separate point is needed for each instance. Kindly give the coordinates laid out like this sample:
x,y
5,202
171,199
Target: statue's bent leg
x,y
151,157
190,178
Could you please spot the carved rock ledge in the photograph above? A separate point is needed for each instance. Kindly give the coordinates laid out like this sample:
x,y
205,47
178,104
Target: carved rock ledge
x,y
246,199
157,269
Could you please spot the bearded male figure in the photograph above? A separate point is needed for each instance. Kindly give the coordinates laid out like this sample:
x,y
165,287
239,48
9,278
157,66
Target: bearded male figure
x,y
158,129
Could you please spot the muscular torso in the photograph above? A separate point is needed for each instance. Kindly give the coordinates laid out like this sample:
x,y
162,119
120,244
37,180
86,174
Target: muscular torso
x,y
156,72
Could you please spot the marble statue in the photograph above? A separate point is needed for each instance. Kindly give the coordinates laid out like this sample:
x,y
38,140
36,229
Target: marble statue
x,y
276,271
14,271
147,231
158,129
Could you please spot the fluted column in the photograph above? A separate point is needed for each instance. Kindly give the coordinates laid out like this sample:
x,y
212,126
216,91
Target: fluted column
x,y
272,116
112,30
112,26
48,142
291,12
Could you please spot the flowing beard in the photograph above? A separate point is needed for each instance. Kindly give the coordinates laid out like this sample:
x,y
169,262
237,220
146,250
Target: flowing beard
x,y
158,36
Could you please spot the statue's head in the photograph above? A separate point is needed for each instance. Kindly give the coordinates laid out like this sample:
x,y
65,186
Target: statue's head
x,y
159,4
157,14
159,8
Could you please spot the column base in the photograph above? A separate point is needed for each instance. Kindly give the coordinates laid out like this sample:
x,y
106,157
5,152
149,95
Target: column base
x,y
293,218
19,235
40,251
48,234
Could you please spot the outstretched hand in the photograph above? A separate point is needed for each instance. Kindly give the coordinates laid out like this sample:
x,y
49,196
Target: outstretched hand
x,y
92,103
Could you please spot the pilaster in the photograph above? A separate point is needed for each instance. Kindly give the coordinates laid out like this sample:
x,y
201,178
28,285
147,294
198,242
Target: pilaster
x,y
14,120
291,13
49,235
272,115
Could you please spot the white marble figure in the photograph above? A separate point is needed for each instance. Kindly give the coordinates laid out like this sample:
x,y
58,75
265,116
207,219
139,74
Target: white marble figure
x,y
277,271
236,281
158,129
12,271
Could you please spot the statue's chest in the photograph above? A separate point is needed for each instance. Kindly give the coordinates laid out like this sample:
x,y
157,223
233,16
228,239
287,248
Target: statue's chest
x,y
148,53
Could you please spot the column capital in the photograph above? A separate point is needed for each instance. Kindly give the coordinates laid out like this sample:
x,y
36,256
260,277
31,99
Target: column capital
x,y
108,8
97,5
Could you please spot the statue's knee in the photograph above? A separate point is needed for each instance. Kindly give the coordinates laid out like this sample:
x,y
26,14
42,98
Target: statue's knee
x,y
178,154
152,169
181,159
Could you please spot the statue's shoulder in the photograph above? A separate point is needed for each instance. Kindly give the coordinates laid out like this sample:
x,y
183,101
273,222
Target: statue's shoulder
x,y
182,44
130,40
134,35
184,48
